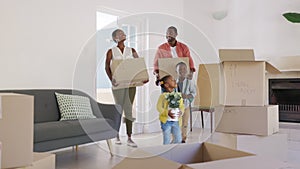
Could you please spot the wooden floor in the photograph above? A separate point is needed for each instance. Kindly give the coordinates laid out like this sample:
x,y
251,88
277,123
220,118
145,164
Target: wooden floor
x,y
284,146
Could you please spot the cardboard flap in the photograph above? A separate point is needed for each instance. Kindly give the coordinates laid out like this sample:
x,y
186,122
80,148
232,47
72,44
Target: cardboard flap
x,y
287,63
272,69
213,152
236,55
208,82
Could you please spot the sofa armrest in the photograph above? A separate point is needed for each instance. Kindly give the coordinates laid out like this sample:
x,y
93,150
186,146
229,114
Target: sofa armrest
x,y
110,111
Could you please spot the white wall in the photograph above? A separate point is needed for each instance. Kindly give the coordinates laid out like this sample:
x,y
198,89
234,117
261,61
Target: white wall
x,y
49,43
41,40
249,24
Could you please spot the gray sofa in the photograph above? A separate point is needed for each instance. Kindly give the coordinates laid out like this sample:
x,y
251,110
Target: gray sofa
x,y
51,134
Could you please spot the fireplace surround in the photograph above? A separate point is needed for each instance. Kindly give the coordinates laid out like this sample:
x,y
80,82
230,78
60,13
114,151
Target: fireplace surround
x,y
285,92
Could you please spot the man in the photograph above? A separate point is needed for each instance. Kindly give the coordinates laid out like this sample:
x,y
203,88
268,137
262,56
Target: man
x,y
172,49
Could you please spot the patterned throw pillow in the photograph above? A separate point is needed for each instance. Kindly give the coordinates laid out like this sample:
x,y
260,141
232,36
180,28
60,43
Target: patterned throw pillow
x,y
74,107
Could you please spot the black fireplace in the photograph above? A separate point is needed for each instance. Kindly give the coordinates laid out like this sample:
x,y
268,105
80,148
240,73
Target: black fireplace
x,y
286,94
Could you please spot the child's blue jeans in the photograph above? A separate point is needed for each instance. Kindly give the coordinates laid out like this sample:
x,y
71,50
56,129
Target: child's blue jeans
x,y
171,127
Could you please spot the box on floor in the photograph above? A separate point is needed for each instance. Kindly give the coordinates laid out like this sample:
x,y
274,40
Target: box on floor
x,y
129,72
0,153
274,146
257,120
41,161
0,141
197,156
245,79
16,134
178,156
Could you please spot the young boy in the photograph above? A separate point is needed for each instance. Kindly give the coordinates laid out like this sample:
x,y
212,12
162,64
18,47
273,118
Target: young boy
x,y
188,90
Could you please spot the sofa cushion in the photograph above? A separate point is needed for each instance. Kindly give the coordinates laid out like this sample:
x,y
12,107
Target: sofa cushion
x,y
73,107
65,129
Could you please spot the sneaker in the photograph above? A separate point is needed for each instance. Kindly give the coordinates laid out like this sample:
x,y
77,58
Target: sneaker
x,y
131,143
118,141
183,141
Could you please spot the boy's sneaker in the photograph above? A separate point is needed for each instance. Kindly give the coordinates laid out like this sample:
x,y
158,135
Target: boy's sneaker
x,y
118,141
131,143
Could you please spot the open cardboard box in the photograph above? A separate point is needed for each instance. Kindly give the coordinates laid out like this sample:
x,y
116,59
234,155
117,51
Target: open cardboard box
x,y
178,156
167,66
129,72
257,120
245,81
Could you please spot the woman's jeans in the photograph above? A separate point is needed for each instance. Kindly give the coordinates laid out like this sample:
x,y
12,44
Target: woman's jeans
x,y
168,128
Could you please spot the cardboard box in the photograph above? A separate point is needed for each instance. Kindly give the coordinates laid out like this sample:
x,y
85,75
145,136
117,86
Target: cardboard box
x,y
129,72
42,161
262,120
263,146
178,156
16,129
167,66
245,81
0,108
249,162
0,153
274,146
210,86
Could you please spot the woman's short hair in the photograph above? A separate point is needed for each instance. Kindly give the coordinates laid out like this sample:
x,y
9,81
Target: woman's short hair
x,y
114,34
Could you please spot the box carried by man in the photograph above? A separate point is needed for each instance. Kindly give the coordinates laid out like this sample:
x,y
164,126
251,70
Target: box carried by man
x,y
167,66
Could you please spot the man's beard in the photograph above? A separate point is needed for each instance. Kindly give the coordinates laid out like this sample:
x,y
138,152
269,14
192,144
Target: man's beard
x,y
171,39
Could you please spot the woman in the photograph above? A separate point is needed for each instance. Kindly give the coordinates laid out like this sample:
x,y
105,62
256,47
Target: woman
x,y
123,96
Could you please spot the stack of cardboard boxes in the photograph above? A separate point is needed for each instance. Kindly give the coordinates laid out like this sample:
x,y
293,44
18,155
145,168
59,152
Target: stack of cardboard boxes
x,y
16,134
237,89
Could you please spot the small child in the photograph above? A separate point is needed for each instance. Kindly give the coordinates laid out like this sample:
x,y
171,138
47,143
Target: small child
x,y
188,90
170,122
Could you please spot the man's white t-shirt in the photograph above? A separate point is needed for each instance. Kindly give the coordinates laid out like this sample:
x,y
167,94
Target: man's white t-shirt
x,y
173,51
